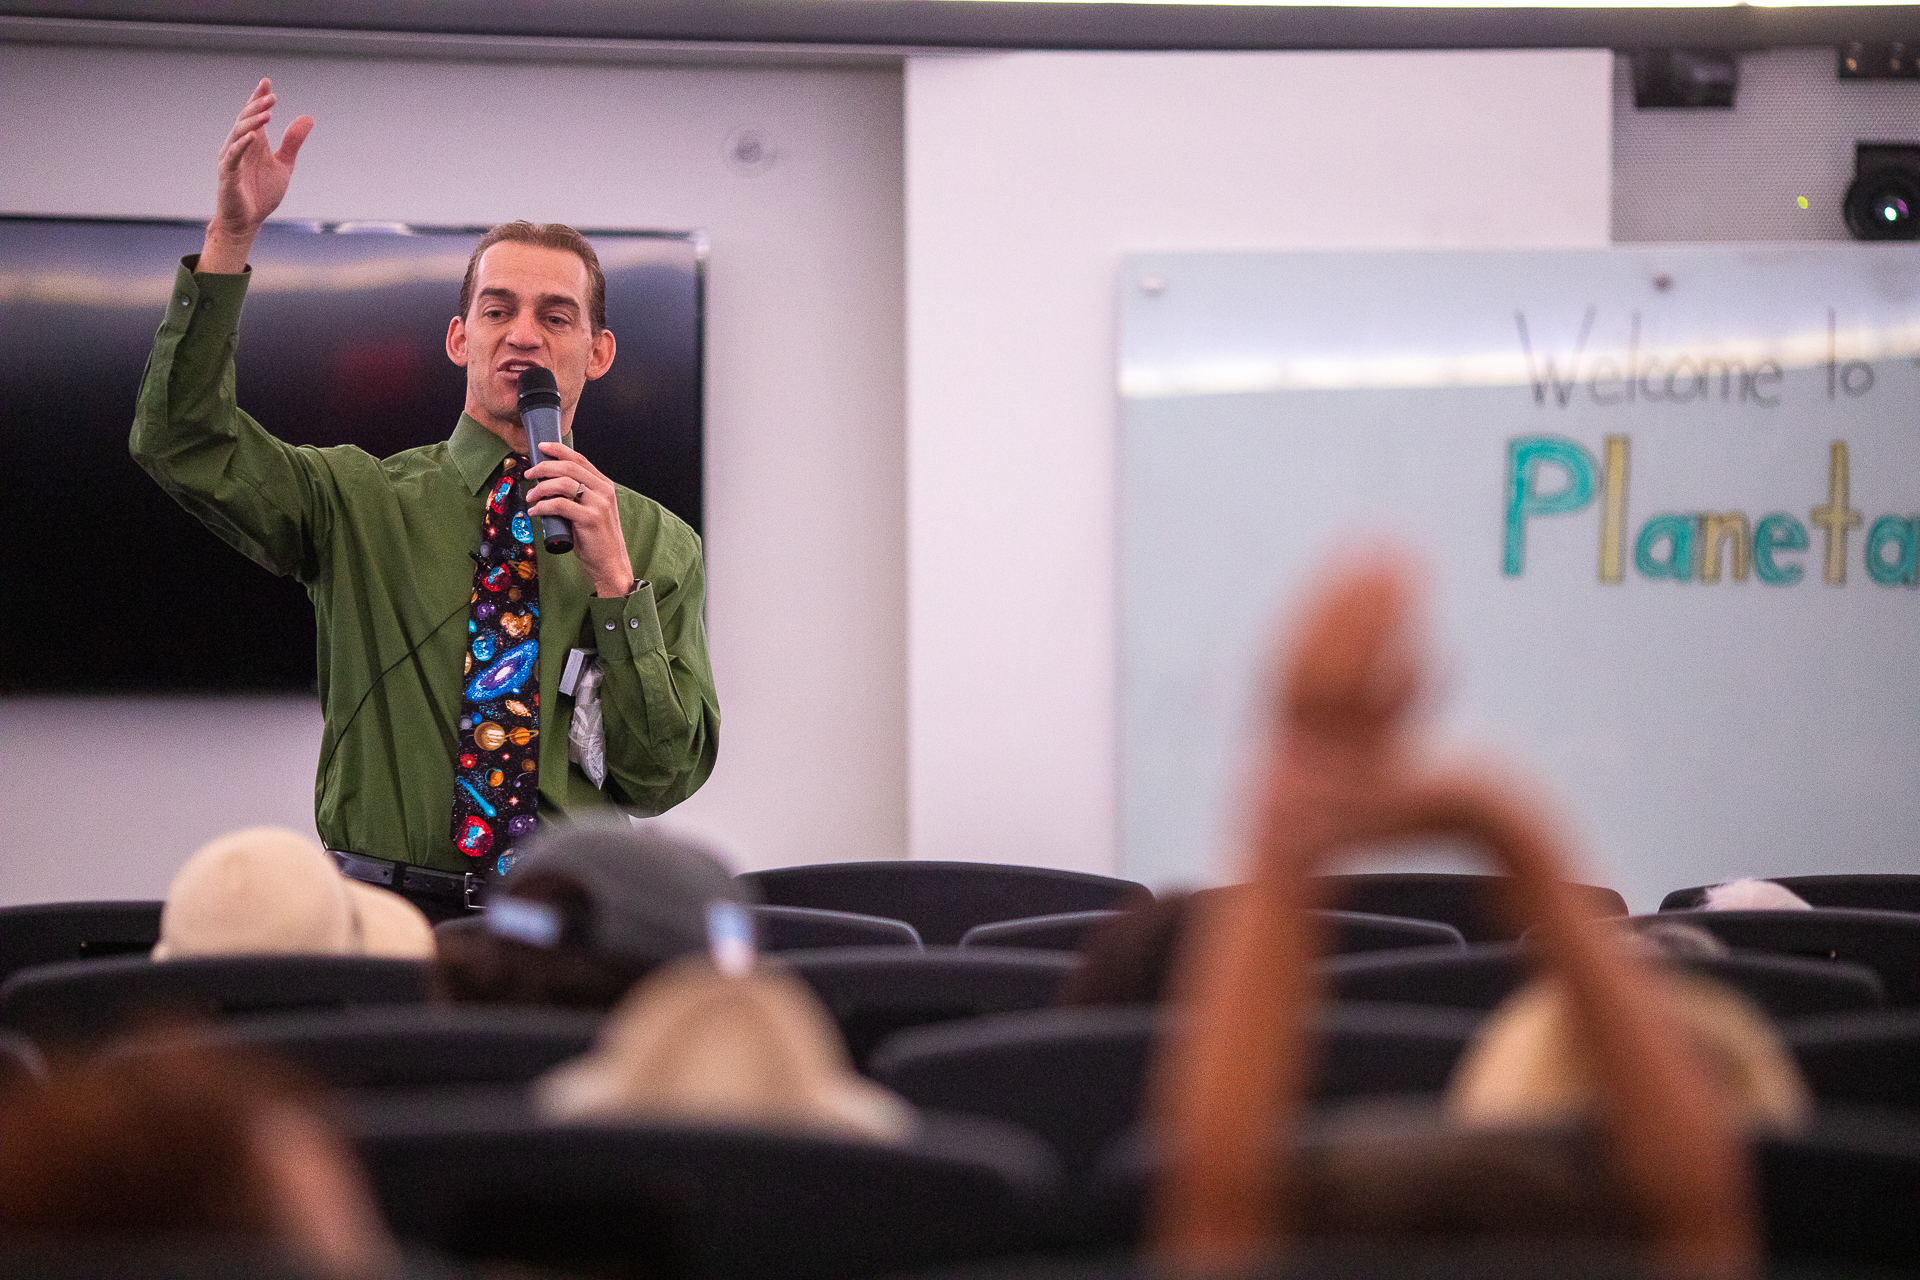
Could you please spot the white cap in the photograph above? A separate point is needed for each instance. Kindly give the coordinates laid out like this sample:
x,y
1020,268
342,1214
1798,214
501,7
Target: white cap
x,y
271,891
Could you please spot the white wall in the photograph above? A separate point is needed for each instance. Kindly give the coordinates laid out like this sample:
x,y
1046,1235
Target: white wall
x,y
1027,176
805,516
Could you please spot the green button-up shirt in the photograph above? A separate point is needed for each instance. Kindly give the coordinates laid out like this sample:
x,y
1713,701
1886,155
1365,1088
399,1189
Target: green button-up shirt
x,y
384,548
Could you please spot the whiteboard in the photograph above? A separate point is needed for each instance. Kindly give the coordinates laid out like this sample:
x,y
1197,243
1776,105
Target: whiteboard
x,y
1666,500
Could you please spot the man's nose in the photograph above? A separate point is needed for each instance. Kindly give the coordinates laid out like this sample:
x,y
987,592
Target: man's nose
x,y
524,332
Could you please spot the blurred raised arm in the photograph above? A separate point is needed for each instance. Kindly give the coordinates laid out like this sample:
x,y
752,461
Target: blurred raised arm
x,y
1338,774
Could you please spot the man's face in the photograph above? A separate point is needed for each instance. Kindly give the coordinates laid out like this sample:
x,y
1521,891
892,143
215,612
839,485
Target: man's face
x,y
529,307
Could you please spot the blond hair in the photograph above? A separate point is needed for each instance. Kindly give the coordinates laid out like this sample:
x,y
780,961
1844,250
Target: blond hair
x,y
1526,1064
690,1043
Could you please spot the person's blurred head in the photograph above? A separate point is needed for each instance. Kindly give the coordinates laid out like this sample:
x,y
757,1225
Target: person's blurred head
x,y
691,1043
586,912
271,891
1753,895
1526,1065
1129,958
185,1149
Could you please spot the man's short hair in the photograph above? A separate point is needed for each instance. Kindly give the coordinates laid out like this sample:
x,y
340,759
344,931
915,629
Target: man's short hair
x,y
547,235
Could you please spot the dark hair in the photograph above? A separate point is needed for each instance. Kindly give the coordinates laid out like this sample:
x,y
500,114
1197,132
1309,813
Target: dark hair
x,y
1129,958
547,235
477,966
145,1145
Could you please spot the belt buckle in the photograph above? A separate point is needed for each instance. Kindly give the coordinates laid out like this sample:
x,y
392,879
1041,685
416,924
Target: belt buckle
x,y
474,884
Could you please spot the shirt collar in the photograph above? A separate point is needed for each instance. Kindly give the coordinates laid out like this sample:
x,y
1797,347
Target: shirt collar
x,y
478,452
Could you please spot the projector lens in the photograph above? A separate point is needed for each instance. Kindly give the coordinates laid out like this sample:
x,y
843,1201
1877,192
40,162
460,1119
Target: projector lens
x,y
1880,205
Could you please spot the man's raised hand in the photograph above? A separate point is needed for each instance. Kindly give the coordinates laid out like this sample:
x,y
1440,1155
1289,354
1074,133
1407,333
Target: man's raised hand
x,y
253,181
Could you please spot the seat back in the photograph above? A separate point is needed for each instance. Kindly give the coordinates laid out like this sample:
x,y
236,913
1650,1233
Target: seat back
x,y
1868,1058
1065,931
810,929
79,1002
874,992
701,1202
1887,942
1841,1196
1352,932
402,1046
47,932
1470,903
1348,932
21,1061
1867,892
1837,1201
942,900
1482,975
1475,976
1077,1077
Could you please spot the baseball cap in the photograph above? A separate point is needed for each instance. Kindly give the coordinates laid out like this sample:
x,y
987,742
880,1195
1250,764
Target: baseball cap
x,y
272,891
648,891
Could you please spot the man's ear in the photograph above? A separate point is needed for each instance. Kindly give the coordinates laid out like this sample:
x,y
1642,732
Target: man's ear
x,y
599,360
457,342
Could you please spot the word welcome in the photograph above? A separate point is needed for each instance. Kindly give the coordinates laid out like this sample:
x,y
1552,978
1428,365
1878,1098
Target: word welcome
x,y
1695,546
1633,376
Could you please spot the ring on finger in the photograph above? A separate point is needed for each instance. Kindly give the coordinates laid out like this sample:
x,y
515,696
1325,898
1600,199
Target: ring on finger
x,y
580,493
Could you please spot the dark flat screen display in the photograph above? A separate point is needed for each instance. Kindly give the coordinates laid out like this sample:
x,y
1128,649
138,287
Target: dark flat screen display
x,y
109,585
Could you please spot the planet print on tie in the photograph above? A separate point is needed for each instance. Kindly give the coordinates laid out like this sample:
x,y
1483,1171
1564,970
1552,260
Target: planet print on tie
x,y
496,792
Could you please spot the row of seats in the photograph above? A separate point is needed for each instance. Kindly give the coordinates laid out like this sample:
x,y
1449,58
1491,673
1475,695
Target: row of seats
x,y
1028,1139
972,904
870,991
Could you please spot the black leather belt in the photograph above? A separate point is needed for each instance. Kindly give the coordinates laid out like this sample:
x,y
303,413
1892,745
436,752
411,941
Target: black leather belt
x,y
468,890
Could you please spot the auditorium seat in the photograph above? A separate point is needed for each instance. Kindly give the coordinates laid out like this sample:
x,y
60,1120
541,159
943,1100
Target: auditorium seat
x,y
873,992
1361,1260
402,1046
702,1202
1870,1058
1482,975
45,932
1076,1076
21,1061
1866,891
942,900
1353,932
810,929
127,1259
1888,942
1347,932
1842,1196
1062,931
1470,903
82,1001
1834,1201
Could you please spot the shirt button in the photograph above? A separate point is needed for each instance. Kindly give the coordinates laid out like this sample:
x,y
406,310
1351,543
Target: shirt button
x,y
633,622
609,626
184,302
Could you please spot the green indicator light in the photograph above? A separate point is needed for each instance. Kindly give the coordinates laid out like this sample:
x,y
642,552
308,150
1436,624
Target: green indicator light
x,y
1801,201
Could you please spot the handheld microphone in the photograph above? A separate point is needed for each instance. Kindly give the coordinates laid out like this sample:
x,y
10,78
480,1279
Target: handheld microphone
x,y
540,415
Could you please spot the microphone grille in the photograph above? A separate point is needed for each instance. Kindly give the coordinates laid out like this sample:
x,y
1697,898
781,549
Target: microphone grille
x,y
538,389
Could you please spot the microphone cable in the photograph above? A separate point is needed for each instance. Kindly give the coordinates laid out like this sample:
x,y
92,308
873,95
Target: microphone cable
x,y
327,765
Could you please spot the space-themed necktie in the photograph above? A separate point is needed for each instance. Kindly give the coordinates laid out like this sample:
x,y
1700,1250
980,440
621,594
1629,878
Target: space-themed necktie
x,y
496,785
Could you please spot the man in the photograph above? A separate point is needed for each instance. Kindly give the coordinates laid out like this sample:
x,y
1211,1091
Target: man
x,y
444,628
